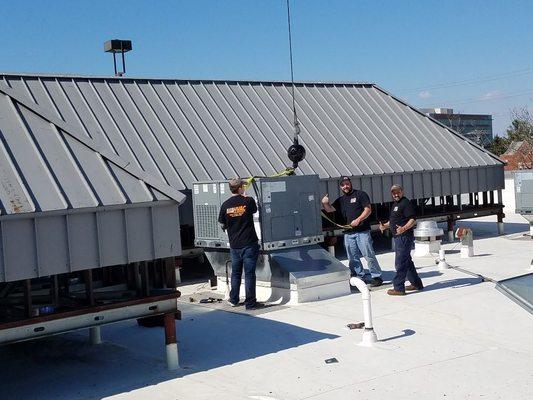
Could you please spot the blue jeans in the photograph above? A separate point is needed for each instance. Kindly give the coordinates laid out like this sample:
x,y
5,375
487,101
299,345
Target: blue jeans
x,y
243,258
405,268
359,244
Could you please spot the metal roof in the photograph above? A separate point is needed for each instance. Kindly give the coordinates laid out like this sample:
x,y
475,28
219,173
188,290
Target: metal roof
x,y
180,131
47,164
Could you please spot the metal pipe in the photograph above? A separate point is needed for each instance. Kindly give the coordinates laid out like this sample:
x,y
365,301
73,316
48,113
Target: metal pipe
x,y
171,342
451,238
442,260
94,335
500,224
28,306
369,336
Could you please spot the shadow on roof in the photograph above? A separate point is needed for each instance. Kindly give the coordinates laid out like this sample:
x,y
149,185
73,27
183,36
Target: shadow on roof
x,y
133,357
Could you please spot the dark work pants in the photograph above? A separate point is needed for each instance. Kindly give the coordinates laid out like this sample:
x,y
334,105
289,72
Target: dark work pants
x,y
243,258
405,268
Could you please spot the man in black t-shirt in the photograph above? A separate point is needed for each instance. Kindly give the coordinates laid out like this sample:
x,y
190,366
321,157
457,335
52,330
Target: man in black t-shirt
x,y
236,216
353,208
402,219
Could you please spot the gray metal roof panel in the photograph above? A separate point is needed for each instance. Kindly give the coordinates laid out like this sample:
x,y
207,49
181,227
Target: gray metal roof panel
x,y
181,131
49,164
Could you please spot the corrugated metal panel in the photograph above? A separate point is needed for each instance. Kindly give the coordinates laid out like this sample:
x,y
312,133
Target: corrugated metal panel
x,y
41,244
185,131
68,201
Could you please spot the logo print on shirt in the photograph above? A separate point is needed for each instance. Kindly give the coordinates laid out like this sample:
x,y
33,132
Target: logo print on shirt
x,y
353,200
395,208
238,211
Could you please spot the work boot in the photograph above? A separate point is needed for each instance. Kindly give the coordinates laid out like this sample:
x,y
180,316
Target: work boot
x,y
256,306
393,292
377,281
413,288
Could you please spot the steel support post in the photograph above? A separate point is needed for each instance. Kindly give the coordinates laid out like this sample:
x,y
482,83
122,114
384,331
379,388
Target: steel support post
x,y
451,224
95,336
171,342
500,224
28,306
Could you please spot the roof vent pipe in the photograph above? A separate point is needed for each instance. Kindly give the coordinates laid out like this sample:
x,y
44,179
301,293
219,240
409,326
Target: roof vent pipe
x,y
369,336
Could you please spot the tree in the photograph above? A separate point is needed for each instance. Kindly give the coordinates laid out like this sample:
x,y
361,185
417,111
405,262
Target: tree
x,y
498,146
521,127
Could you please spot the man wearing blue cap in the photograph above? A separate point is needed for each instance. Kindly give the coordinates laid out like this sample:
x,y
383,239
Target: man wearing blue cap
x,y
353,208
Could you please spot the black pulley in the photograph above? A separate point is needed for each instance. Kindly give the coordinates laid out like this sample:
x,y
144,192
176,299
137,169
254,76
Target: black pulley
x,y
296,153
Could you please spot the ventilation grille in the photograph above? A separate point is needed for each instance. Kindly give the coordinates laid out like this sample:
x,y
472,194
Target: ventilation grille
x,y
206,224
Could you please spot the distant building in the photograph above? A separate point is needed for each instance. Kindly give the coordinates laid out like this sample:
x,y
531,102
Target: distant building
x,y
476,127
519,155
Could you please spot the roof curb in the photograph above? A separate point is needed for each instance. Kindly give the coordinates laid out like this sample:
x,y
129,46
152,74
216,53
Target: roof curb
x,y
134,171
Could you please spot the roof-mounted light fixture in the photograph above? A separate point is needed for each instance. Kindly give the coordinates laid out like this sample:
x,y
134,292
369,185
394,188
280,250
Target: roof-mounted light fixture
x,y
118,46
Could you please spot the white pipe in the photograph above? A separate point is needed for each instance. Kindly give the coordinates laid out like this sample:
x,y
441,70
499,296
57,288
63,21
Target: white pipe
x,y
442,260
500,228
172,356
94,335
369,336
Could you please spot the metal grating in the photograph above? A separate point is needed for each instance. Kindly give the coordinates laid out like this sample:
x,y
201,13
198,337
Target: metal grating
x,y
206,221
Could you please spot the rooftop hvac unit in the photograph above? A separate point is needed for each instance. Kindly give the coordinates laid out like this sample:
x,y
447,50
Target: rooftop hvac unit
x,y
291,266
288,212
523,186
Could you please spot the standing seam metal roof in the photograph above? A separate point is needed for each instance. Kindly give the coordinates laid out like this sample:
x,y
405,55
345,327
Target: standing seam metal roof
x,y
180,132
46,164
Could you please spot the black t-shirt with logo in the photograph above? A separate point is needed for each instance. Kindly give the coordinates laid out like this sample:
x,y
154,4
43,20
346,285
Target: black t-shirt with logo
x,y
350,206
401,212
237,214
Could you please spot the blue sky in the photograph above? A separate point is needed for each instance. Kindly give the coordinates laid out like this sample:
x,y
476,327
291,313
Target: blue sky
x,y
473,56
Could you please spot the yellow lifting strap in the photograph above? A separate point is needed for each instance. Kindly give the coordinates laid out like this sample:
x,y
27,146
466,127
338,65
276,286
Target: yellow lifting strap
x,y
286,172
334,223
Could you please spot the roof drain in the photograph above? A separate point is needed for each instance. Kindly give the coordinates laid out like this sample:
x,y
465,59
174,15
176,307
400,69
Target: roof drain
x,y
296,152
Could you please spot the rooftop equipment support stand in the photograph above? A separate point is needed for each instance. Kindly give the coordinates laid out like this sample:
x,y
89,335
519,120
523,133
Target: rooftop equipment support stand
x,y
369,336
94,335
451,237
171,342
28,306
500,224
442,260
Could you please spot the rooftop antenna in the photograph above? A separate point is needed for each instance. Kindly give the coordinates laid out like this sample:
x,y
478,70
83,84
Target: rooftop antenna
x,y
295,152
118,46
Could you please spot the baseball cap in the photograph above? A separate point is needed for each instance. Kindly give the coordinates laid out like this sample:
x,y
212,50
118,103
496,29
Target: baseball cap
x,y
345,178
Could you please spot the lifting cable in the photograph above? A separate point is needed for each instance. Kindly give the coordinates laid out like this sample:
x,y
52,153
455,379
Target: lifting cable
x,y
295,152
296,124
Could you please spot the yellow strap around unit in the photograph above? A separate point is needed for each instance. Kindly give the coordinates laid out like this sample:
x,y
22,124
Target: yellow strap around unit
x,y
334,223
286,172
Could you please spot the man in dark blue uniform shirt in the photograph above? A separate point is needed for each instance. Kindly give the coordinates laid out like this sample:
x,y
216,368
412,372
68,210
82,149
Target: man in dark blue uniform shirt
x,y
236,216
353,208
401,221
